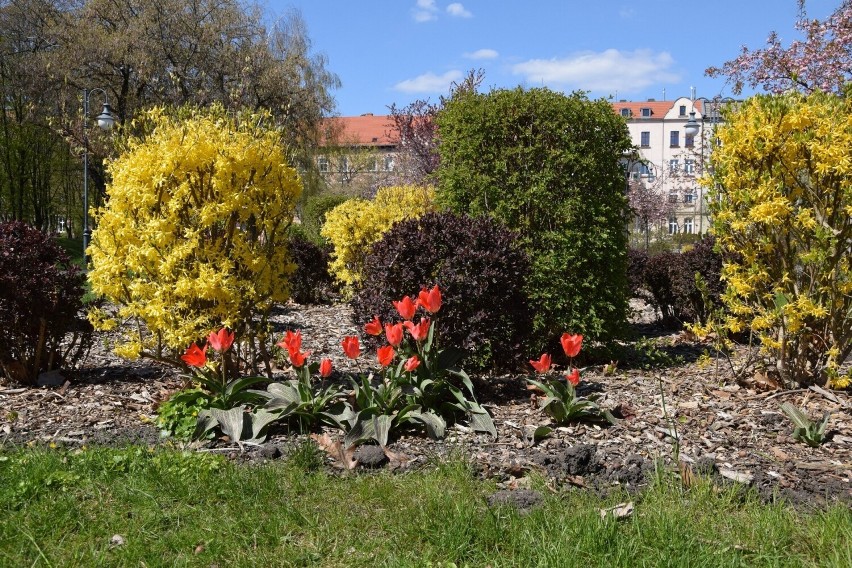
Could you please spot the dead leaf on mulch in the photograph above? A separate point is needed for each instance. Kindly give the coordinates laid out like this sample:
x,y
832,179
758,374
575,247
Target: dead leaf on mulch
x,y
342,457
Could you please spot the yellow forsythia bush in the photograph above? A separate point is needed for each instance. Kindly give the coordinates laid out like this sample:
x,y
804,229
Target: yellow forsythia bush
x,y
193,236
781,200
354,225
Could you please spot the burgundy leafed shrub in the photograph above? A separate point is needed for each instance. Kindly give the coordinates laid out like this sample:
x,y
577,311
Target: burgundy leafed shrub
x,y
670,278
311,283
40,301
636,261
479,269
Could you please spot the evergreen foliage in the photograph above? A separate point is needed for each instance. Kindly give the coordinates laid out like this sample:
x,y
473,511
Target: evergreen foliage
x,y
548,166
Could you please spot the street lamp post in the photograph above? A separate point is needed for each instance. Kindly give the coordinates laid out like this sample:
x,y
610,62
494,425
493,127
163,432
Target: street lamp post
x,y
105,122
692,128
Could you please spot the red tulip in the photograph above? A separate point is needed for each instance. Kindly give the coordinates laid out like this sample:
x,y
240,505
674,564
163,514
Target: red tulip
x,y
221,340
325,367
374,327
543,364
574,377
298,358
292,342
406,307
418,331
430,300
411,363
351,347
571,344
385,355
394,334
195,356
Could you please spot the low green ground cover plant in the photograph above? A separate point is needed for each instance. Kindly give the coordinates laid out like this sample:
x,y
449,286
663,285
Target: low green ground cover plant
x,y
135,506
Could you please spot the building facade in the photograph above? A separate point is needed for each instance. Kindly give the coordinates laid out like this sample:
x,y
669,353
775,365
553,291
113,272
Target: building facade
x,y
360,155
670,161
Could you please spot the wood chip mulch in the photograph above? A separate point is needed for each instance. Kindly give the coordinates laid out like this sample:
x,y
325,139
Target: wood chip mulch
x,y
734,432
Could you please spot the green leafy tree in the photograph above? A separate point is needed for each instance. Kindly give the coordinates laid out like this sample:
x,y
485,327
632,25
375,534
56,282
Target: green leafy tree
x,y
781,198
549,167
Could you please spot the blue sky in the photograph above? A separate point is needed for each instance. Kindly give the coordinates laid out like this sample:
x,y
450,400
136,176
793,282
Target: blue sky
x,y
396,51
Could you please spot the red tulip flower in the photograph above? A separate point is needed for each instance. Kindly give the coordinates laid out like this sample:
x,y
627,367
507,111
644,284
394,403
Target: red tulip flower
x,y
406,307
292,342
394,334
418,331
298,358
351,347
571,344
221,340
195,356
325,367
411,363
385,355
573,377
430,300
374,327
543,364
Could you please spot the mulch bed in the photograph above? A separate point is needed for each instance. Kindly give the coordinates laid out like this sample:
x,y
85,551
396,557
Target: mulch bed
x,y
735,433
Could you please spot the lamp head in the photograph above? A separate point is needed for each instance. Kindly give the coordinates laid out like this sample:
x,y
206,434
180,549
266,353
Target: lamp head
x,y
106,119
692,127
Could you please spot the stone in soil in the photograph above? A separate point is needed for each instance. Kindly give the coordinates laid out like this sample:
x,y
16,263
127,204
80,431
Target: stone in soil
x,y
370,456
521,499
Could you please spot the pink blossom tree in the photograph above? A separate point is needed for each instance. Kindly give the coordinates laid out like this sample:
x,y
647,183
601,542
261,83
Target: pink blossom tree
x,y
822,61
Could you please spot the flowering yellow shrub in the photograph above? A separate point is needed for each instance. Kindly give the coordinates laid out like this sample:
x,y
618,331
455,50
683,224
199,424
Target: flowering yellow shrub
x,y
354,225
193,236
781,199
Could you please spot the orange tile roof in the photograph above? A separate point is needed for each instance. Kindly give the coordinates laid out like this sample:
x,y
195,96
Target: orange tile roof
x,y
364,130
658,108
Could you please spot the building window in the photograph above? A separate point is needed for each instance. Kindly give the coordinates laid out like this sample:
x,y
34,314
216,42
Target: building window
x,y
672,225
682,110
388,164
687,225
689,166
344,164
689,198
674,138
645,139
646,112
625,112
673,198
688,141
674,166
372,164
322,164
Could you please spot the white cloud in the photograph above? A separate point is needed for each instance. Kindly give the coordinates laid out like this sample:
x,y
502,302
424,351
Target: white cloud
x,y
457,10
429,83
425,11
627,13
483,54
610,70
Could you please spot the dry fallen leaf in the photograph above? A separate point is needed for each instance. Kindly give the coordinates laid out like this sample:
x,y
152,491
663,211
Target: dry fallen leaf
x,y
620,511
687,477
343,457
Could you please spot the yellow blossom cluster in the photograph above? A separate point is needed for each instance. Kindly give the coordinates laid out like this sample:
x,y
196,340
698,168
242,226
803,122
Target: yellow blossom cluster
x,y
193,235
780,197
354,225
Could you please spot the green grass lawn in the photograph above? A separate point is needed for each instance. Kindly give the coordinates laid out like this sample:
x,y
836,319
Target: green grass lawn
x,y
172,508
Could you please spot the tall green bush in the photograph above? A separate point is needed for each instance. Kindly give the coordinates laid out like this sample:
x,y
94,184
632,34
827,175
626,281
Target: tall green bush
x,y
547,165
